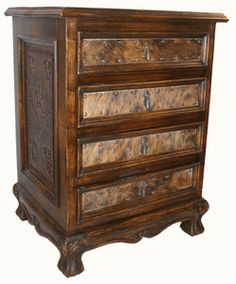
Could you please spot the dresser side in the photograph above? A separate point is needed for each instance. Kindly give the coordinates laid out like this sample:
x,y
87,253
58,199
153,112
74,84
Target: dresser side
x,y
39,43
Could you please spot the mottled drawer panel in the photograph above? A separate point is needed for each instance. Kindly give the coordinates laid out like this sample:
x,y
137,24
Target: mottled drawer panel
x,y
120,102
155,185
118,51
124,149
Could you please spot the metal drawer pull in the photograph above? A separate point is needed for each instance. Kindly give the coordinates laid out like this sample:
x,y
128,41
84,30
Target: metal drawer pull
x,y
147,53
146,100
143,146
143,149
142,187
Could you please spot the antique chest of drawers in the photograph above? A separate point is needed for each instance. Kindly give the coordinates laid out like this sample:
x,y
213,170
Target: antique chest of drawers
x,y
111,117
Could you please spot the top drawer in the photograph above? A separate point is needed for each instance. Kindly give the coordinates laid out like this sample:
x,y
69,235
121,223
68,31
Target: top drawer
x,y
129,51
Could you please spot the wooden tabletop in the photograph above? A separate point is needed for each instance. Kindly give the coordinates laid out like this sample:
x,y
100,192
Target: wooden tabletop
x,y
115,13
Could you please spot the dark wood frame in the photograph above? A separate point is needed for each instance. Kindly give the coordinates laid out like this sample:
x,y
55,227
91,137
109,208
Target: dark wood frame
x,y
57,216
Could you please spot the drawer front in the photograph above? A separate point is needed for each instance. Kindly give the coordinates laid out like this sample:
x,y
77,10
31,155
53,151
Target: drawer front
x,y
153,186
137,146
112,103
132,51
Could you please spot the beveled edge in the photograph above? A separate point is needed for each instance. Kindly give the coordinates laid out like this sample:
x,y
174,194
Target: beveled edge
x,y
115,13
35,11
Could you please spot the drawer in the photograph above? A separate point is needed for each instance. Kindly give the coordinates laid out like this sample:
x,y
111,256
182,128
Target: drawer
x,y
106,152
136,191
157,50
97,104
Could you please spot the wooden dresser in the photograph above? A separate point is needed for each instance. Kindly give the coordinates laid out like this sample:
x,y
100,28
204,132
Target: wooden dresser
x,y
111,119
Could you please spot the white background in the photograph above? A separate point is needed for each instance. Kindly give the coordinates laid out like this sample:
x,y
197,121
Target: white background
x,y
171,257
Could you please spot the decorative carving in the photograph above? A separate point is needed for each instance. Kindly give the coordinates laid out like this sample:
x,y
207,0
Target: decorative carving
x,y
20,211
194,225
202,207
37,104
125,149
119,102
70,262
39,98
48,153
48,68
153,185
72,248
30,62
137,51
143,167
39,93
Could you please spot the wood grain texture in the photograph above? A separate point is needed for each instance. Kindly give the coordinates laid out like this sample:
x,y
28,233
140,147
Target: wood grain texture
x,y
138,189
39,108
137,172
129,230
119,102
39,94
105,51
115,14
46,34
124,149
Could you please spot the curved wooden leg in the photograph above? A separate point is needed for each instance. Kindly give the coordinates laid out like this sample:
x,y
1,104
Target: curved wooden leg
x,y
20,211
194,225
70,262
70,248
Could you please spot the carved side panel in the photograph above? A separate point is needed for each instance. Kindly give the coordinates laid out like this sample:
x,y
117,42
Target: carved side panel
x,y
124,149
156,185
118,102
39,95
118,51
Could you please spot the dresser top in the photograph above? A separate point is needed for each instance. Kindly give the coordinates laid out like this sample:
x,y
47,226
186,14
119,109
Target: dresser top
x,y
115,13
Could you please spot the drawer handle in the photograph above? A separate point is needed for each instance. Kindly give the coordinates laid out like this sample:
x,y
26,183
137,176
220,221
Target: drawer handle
x,y
144,147
147,53
146,100
142,187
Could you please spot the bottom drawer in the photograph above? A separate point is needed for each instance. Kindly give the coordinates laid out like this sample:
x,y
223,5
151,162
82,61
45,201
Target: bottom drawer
x,y
133,192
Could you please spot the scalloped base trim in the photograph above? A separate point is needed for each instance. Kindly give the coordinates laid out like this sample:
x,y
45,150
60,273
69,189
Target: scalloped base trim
x,y
130,230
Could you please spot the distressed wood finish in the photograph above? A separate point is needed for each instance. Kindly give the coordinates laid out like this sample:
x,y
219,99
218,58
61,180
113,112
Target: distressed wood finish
x,y
132,147
106,51
39,109
111,123
157,186
40,96
119,102
129,230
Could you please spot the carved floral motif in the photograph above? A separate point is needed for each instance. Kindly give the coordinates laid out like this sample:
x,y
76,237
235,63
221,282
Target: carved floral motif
x,y
38,93
37,103
48,153
72,248
48,68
